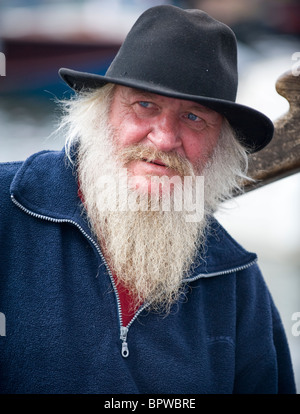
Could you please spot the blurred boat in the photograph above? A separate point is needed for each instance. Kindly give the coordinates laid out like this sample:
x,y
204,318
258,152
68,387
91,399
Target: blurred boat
x,y
39,38
32,63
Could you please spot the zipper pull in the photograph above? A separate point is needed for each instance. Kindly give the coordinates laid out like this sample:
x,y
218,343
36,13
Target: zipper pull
x,y
123,337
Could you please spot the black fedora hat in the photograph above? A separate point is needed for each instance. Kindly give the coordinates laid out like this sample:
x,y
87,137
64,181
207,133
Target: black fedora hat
x,y
184,54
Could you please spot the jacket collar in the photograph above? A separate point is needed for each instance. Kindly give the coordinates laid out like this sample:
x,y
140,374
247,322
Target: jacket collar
x,y
46,185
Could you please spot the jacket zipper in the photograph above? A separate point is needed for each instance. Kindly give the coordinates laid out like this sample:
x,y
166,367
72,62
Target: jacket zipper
x,y
123,329
223,272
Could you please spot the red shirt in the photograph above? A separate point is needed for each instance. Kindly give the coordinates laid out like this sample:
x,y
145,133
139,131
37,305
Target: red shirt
x,y
126,302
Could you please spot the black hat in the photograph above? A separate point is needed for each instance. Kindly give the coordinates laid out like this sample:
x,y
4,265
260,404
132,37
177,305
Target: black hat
x,y
184,54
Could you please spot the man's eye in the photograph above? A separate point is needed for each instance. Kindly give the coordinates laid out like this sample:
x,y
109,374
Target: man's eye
x,y
144,104
193,117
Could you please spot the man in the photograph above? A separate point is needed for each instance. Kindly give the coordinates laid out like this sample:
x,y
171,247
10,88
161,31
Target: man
x,y
109,282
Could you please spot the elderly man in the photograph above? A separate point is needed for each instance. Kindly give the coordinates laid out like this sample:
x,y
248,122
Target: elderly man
x,y
109,282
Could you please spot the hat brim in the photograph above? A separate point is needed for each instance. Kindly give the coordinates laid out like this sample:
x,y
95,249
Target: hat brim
x,y
253,128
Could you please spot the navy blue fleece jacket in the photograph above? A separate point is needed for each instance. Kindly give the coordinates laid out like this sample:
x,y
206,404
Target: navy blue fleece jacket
x,y
64,333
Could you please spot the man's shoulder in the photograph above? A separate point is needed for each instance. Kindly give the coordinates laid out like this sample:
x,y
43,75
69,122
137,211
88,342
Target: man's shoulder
x,y
7,172
13,172
222,253
10,167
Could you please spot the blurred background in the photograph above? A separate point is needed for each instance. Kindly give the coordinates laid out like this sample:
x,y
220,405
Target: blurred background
x,y
38,37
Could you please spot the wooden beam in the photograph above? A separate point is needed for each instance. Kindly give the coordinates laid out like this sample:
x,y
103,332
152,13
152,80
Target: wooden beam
x,y
281,157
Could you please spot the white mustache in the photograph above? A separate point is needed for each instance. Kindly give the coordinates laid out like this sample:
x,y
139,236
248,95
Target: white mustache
x,y
171,160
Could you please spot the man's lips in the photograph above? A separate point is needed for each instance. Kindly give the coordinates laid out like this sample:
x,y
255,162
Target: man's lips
x,y
155,162
149,166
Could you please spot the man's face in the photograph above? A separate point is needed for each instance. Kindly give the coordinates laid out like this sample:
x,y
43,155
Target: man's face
x,y
165,124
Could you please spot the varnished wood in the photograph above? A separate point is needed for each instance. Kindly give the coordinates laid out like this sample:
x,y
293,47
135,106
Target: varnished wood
x,y
281,157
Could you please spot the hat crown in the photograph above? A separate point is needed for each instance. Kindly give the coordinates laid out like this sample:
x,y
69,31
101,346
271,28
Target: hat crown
x,y
179,50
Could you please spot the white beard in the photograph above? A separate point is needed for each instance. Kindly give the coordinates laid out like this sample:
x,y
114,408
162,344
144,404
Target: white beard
x,y
149,252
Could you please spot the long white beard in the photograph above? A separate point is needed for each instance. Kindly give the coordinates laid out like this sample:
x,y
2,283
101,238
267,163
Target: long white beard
x,y
149,252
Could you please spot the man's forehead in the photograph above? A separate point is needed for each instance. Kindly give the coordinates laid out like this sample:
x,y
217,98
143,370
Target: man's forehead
x,y
128,92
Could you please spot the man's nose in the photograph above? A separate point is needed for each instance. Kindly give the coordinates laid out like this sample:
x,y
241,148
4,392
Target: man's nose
x,y
165,133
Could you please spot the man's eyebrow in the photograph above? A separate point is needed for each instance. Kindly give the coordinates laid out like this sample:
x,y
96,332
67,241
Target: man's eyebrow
x,y
201,108
144,94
